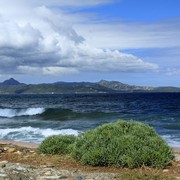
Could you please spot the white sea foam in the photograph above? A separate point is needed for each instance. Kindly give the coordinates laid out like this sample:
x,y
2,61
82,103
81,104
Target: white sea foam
x,y
30,134
172,141
9,113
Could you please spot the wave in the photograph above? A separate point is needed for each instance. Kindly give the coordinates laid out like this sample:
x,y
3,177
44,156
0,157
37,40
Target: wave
x,y
67,114
9,113
55,113
30,134
171,140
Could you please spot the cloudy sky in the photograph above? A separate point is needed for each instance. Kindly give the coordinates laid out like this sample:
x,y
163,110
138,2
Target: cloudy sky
x,y
132,41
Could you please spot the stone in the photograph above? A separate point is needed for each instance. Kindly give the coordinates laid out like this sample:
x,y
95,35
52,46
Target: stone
x,y
5,148
21,168
165,170
48,177
3,164
78,178
43,166
48,173
19,176
31,151
1,150
11,150
18,153
3,177
177,157
63,171
63,177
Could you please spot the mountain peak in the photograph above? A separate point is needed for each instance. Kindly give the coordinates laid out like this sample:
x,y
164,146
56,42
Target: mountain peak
x,y
11,81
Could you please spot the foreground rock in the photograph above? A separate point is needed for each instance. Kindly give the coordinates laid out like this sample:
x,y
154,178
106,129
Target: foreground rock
x,y
17,171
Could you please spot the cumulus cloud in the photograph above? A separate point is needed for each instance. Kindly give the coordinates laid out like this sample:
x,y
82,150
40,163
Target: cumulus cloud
x,y
35,40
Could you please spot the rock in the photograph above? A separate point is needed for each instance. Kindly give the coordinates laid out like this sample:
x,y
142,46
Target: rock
x,y
48,173
177,157
16,175
3,164
18,153
63,177
78,178
48,177
3,177
165,170
11,150
21,168
1,150
63,171
31,151
43,166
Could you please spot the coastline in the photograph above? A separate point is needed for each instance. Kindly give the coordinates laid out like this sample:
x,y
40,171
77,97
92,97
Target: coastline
x,y
30,145
20,144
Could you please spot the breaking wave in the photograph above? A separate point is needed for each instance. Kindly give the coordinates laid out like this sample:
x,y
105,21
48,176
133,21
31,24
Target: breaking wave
x,y
54,113
35,135
9,113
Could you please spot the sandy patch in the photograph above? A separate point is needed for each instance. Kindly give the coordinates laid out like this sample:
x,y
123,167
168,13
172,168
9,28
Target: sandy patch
x,y
20,144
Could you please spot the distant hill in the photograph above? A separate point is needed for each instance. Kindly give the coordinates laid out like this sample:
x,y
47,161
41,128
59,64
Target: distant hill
x,y
11,82
12,86
118,86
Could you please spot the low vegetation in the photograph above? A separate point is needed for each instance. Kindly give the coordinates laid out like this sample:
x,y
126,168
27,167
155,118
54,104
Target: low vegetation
x,y
60,144
120,144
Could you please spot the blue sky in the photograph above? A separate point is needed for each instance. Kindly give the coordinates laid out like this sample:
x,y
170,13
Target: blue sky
x,y
139,10
132,41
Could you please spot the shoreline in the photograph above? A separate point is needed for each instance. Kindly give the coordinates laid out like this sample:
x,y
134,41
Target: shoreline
x,y
20,144
30,145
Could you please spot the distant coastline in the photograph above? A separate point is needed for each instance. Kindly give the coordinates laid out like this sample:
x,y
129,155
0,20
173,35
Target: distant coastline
x,y
12,86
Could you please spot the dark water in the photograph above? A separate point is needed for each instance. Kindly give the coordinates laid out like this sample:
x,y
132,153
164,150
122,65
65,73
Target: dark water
x,y
31,118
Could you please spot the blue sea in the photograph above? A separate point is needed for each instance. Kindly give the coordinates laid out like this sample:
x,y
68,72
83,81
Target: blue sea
x,y
31,118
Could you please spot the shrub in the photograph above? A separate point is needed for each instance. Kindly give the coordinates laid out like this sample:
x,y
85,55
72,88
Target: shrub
x,y
60,144
125,144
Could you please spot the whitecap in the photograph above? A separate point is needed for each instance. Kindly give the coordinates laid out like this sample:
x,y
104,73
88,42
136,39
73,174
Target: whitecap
x,y
9,113
30,134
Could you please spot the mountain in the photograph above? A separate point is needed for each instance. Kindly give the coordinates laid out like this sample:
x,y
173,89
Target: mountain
x,y
118,86
11,82
12,86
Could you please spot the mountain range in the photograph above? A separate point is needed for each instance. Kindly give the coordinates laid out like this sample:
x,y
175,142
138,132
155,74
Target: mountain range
x,y
12,86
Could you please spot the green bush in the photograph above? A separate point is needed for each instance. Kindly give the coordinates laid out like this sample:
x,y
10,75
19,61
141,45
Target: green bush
x,y
60,144
125,144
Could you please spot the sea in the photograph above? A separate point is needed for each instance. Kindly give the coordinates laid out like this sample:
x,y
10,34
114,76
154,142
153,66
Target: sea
x,y
32,118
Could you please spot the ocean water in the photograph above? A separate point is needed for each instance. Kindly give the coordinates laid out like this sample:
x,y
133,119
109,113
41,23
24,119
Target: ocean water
x,y
31,118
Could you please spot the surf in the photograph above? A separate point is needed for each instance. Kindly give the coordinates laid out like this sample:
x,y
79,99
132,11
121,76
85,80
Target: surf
x,y
10,113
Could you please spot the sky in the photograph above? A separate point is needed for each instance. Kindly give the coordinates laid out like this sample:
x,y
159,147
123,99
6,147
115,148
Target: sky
x,y
132,41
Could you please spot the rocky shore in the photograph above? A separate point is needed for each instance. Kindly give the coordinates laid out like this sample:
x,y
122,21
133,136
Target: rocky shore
x,y
17,171
21,161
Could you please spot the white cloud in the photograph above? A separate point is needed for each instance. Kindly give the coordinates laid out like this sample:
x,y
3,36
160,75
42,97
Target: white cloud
x,y
131,35
75,2
34,39
173,71
47,70
59,70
